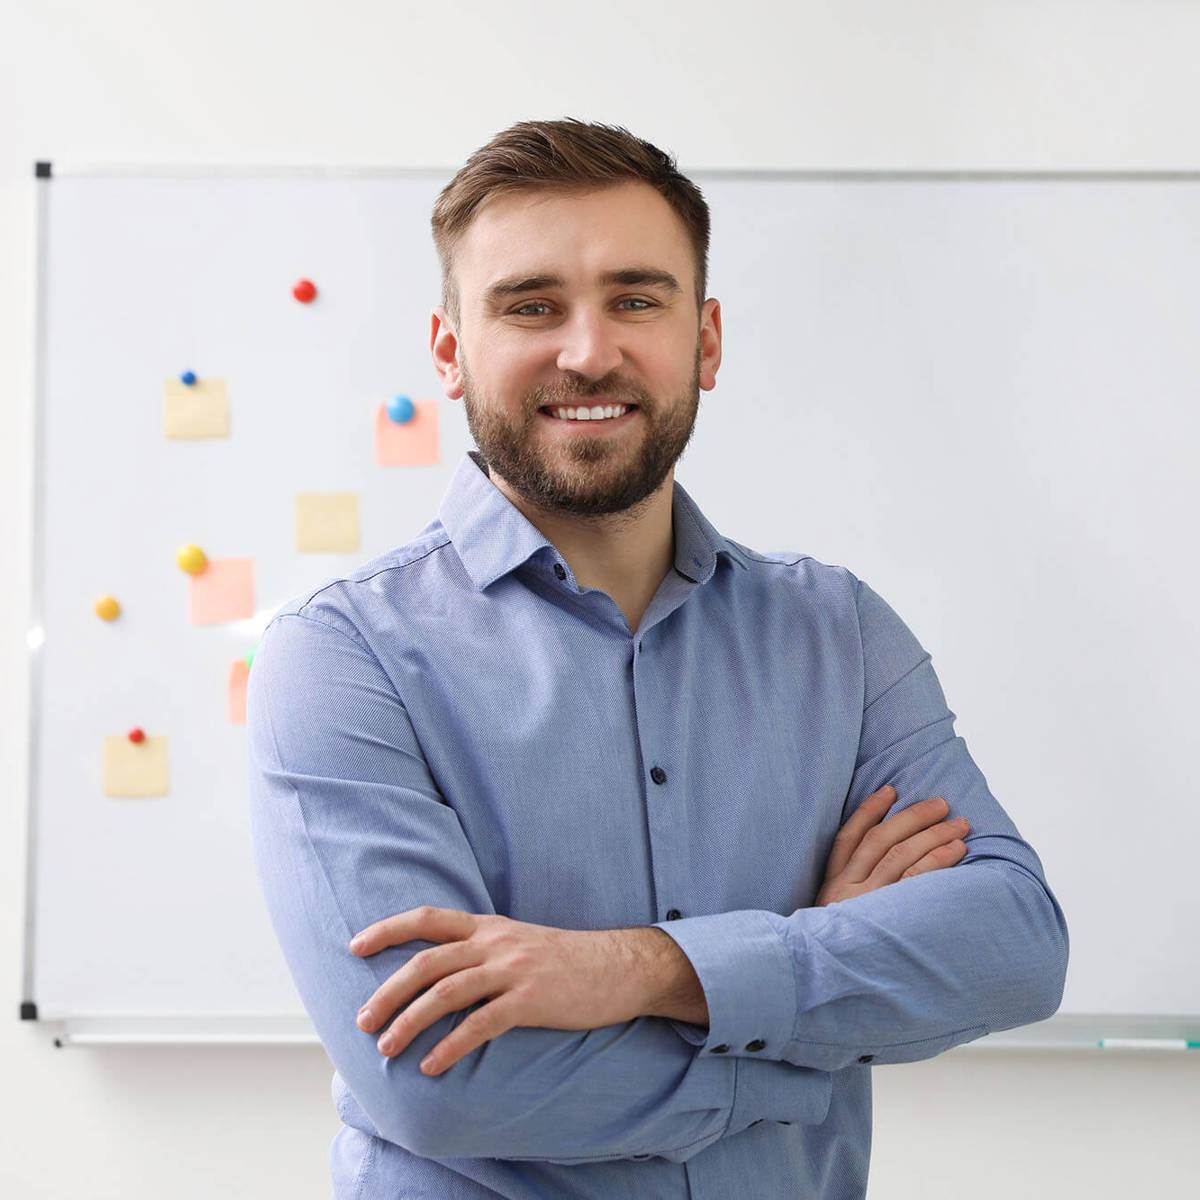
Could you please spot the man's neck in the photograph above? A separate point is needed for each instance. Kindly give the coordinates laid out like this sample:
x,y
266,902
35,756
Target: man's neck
x,y
625,554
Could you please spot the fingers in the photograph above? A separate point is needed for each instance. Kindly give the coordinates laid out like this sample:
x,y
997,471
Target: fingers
x,y
424,970
869,813
449,995
478,1027
942,856
881,838
426,923
929,844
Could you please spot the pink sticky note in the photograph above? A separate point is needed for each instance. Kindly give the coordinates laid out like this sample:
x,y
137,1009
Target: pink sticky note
x,y
223,591
411,444
235,703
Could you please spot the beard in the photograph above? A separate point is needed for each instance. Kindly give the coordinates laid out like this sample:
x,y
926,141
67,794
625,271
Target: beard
x,y
584,476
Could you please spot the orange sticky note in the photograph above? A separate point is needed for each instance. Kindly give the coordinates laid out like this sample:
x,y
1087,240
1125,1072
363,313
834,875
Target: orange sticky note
x,y
412,444
223,591
235,701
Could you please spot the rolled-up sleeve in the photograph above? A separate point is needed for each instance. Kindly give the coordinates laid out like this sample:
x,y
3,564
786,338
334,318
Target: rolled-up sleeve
x,y
911,969
348,827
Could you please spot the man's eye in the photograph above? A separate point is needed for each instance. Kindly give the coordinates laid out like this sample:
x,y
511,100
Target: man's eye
x,y
535,308
636,303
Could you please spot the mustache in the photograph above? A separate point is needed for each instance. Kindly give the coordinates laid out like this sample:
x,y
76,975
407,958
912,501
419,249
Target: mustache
x,y
611,386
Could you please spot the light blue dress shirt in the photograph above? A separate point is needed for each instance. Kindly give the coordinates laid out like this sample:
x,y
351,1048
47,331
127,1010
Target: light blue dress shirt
x,y
458,723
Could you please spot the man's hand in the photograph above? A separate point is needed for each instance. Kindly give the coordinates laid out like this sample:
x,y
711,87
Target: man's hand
x,y
867,855
532,975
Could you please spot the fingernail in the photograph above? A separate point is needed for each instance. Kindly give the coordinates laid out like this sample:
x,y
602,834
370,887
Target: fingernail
x,y
357,942
386,1042
364,1018
428,1064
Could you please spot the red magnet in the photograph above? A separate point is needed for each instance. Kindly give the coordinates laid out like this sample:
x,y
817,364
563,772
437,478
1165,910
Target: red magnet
x,y
136,735
305,291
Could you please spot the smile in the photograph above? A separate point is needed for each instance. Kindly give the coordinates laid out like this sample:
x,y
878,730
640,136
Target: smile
x,y
600,412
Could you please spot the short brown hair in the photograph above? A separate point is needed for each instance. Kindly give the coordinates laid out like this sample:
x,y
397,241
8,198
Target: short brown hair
x,y
566,155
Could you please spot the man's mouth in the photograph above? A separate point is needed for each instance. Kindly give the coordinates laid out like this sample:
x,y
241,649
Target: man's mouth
x,y
597,412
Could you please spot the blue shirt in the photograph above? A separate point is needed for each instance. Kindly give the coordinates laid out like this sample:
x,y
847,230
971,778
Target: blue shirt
x,y
458,723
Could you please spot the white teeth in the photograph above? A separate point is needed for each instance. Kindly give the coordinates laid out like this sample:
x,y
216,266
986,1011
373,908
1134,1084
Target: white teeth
x,y
599,413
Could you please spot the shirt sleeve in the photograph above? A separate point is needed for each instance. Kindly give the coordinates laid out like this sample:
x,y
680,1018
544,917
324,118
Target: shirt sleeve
x,y
348,827
914,968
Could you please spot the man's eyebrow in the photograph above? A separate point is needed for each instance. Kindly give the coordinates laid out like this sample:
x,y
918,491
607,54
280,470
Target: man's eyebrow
x,y
517,285
643,277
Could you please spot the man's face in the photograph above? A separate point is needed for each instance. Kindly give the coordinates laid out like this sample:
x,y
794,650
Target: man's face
x,y
578,301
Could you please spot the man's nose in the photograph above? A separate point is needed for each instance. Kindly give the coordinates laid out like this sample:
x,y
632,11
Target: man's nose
x,y
590,345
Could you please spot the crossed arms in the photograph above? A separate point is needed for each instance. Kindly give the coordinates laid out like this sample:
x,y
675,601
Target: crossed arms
x,y
896,973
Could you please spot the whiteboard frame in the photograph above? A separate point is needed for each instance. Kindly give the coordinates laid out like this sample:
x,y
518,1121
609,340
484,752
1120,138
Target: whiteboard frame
x,y
1072,1031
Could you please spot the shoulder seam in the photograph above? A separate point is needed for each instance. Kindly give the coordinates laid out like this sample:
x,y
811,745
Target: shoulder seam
x,y
374,575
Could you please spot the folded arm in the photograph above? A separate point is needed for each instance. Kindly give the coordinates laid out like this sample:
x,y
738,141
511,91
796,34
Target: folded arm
x,y
906,971
348,827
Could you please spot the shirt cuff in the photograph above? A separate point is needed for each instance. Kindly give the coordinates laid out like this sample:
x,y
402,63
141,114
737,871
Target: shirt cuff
x,y
749,982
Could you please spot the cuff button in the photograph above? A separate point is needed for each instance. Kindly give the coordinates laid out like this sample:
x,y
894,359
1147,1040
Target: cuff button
x,y
866,1058
757,1044
721,1049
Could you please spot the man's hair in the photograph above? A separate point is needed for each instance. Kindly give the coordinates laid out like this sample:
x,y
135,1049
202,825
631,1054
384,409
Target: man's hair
x,y
564,156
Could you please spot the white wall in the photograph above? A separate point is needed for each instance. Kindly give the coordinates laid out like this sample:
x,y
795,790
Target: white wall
x,y
1099,84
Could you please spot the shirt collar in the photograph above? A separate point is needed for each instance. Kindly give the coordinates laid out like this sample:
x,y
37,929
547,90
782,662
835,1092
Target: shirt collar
x,y
492,537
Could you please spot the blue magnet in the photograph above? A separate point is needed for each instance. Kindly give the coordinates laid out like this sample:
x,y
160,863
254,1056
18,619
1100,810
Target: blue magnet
x,y
401,409
188,377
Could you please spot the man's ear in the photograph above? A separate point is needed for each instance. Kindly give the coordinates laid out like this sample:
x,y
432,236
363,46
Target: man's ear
x,y
443,346
710,343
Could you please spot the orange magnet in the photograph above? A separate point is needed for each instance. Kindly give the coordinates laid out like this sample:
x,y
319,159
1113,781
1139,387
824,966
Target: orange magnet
x,y
191,558
107,608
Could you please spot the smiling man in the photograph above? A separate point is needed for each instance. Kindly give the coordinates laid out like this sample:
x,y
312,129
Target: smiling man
x,y
608,854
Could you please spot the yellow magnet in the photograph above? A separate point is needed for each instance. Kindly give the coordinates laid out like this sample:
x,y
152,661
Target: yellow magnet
x,y
107,608
191,558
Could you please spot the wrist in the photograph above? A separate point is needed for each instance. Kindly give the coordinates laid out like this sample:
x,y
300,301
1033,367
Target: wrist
x,y
671,987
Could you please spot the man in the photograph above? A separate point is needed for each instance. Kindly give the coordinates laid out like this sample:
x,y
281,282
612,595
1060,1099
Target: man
x,y
604,793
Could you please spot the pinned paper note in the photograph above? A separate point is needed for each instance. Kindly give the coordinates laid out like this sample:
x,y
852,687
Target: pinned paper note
x,y
235,698
223,591
135,768
411,444
198,410
327,522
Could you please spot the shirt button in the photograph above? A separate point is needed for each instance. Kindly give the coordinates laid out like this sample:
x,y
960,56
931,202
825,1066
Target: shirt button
x,y
721,1049
658,775
641,1156
753,1123
866,1058
757,1044
562,574
784,1122
673,914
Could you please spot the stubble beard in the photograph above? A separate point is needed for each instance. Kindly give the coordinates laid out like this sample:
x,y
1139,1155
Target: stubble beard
x,y
583,476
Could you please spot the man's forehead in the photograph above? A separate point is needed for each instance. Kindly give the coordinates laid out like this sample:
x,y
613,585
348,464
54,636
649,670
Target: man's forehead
x,y
547,233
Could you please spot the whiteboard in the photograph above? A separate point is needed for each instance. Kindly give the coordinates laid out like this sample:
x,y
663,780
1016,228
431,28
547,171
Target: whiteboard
x,y
978,393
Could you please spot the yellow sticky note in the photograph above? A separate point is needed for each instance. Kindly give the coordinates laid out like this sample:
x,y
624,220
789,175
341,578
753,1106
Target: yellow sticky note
x,y
327,522
235,698
200,410
223,591
411,444
135,768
